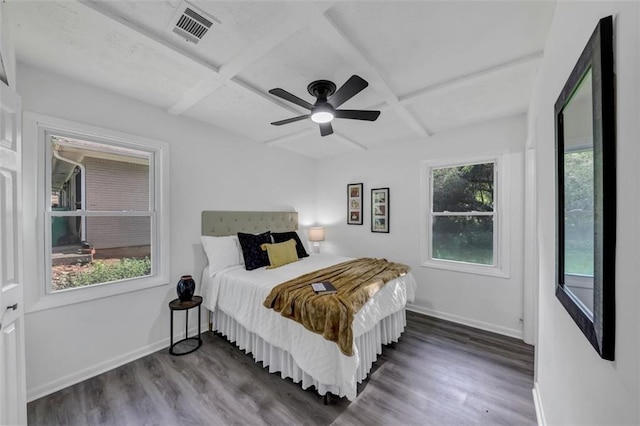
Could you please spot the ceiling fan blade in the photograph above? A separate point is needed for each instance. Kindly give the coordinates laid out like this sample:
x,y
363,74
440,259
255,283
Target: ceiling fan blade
x,y
356,114
281,93
291,120
325,129
352,87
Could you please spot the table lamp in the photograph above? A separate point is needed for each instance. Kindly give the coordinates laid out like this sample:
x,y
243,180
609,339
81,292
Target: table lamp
x,y
316,234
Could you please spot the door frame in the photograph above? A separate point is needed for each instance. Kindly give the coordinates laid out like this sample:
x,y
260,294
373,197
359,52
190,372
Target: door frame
x,y
13,394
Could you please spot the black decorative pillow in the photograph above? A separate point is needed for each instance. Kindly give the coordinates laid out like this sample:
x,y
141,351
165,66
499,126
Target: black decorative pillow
x,y
280,237
254,256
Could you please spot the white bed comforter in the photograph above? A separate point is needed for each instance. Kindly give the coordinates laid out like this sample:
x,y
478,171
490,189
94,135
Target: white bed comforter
x,y
240,293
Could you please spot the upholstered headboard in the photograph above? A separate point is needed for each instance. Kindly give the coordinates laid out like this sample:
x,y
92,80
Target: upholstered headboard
x,y
221,223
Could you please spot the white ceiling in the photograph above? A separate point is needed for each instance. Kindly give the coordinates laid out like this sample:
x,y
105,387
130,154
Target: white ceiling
x,y
431,65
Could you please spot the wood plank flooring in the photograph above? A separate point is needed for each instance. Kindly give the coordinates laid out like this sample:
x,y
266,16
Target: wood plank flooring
x,y
439,373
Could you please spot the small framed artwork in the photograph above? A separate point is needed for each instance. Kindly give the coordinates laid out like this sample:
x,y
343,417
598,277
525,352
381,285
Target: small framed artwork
x,y
380,210
354,204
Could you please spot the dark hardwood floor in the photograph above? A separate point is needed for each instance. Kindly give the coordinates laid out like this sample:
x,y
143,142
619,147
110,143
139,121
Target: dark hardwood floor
x,y
439,373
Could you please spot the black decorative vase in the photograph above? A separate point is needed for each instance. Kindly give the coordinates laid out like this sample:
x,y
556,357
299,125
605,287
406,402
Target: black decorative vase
x,y
185,288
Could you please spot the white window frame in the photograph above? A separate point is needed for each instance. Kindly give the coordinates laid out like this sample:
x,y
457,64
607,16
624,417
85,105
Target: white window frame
x,y
500,267
37,129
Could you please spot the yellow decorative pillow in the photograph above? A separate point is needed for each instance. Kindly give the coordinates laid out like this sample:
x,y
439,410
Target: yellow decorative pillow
x,y
281,253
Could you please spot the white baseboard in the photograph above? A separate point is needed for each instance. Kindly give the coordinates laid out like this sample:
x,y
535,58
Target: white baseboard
x,y
511,332
537,402
102,367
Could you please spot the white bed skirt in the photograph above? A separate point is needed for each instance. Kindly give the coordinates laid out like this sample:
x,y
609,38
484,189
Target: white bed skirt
x,y
369,346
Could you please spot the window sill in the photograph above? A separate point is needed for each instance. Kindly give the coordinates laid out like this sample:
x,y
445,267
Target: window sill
x,y
579,281
86,294
466,268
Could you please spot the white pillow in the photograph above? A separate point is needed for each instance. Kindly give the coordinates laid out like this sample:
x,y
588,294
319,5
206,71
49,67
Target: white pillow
x,y
222,252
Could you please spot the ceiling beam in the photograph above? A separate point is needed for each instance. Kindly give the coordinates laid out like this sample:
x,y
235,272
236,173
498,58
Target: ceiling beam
x,y
327,29
289,137
308,132
349,141
194,95
449,84
287,27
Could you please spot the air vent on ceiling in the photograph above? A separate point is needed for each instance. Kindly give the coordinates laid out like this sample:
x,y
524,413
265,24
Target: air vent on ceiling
x,y
190,23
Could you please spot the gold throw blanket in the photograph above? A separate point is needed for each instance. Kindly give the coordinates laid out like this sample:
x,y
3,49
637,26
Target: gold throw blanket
x,y
332,314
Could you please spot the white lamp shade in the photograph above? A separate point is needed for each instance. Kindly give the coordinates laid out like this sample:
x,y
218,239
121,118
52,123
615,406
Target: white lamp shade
x,y
316,233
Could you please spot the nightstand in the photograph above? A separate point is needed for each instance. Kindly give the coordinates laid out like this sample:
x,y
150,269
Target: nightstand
x,y
177,305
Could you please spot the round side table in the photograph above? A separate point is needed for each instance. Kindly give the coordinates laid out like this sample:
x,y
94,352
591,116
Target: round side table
x,y
177,305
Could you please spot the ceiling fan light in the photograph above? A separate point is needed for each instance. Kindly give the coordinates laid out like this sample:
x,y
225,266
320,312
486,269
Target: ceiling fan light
x,y
321,117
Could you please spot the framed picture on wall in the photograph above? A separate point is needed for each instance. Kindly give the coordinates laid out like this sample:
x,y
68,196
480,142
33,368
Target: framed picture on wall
x,y
354,204
380,210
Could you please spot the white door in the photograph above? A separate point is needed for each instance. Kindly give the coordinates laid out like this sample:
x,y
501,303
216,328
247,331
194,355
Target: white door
x,y
13,395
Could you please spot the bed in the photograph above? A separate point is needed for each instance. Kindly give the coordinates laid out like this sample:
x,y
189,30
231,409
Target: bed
x,y
234,298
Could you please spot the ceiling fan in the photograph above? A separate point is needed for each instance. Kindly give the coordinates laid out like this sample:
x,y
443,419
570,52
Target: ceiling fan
x,y
328,99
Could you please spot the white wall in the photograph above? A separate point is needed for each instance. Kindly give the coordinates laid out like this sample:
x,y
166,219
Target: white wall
x,y
482,301
573,384
210,170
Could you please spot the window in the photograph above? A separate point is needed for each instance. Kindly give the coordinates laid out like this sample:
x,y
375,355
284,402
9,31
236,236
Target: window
x,y
103,198
101,213
462,221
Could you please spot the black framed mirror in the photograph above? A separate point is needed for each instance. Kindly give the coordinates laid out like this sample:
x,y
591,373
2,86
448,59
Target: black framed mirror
x,y
586,192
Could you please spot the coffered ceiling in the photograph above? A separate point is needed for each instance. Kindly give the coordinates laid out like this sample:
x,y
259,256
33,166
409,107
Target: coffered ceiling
x,y
431,65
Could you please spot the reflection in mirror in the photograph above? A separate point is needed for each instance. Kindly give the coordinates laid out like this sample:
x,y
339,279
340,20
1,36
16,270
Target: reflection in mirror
x,y
578,195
